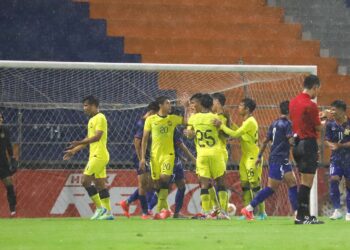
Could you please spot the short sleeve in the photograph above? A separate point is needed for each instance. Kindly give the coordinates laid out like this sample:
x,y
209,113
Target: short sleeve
x,y
314,112
101,123
178,120
148,124
269,134
289,130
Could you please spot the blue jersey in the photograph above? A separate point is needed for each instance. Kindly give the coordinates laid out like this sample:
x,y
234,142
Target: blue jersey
x,y
139,134
177,141
279,133
339,133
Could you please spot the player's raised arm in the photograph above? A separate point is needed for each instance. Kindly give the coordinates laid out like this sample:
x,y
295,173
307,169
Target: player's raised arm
x,y
187,152
233,133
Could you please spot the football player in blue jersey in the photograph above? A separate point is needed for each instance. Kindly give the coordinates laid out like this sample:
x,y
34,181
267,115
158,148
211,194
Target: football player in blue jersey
x,y
338,139
281,137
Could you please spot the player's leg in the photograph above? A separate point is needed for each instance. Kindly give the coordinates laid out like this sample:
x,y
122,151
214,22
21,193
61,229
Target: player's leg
x,y
243,176
124,204
202,164
100,184
93,193
254,177
291,182
218,169
347,185
95,172
11,195
336,174
166,171
214,204
152,189
305,153
181,189
275,177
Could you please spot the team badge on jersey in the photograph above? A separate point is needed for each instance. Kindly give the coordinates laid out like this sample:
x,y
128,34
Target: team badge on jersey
x,y
170,123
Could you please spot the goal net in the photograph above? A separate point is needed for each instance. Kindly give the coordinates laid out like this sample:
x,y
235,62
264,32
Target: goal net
x,y
41,103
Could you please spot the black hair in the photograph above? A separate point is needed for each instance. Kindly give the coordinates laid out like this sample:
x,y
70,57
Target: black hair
x,y
339,104
153,106
206,101
284,107
92,100
175,110
220,97
310,81
249,103
196,96
161,99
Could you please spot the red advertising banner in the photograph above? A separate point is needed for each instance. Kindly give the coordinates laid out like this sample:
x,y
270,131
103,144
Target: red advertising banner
x,y
58,193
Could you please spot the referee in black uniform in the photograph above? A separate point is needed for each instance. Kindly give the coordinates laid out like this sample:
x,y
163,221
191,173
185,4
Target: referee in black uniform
x,y
7,168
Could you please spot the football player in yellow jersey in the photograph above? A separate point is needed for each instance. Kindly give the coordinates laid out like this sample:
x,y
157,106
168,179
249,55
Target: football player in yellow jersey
x,y
95,170
219,101
250,174
210,162
161,128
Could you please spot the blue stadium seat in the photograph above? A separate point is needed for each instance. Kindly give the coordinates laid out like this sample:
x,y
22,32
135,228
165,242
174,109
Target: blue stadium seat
x,y
56,30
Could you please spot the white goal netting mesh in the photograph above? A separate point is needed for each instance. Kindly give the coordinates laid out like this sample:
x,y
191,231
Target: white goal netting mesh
x,y
43,111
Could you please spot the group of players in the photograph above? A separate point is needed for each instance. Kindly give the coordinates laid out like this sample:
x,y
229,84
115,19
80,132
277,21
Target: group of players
x,y
207,123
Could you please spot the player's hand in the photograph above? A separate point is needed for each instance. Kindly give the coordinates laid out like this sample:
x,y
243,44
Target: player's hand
x,y
217,123
334,146
189,133
142,165
73,144
184,99
68,154
326,114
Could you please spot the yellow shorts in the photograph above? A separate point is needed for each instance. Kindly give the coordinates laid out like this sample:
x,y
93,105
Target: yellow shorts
x,y
163,165
96,167
210,166
248,172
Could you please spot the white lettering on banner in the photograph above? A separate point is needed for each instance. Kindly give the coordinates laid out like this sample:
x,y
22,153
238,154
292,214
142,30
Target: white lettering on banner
x,y
74,194
75,180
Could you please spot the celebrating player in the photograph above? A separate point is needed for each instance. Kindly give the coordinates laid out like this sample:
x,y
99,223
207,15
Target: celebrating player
x,y
219,101
210,162
250,175
306,123
95,170
161,127
281,136
338,139
143,177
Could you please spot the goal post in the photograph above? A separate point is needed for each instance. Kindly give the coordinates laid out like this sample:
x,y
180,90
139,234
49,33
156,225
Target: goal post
x,y
41,102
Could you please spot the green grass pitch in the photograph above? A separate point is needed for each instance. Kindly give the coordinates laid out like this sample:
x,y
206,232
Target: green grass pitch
x,y
76,233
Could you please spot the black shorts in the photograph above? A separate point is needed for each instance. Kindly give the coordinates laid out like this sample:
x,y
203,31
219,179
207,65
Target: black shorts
x,y
4,170
305,153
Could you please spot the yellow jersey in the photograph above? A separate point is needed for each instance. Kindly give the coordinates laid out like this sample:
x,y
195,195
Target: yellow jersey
x,y
162,130
207,138
98,149
248,133
222,136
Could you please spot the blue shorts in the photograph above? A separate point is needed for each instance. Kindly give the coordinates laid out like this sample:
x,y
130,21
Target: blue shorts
x,y
278,169
336,170
178,173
